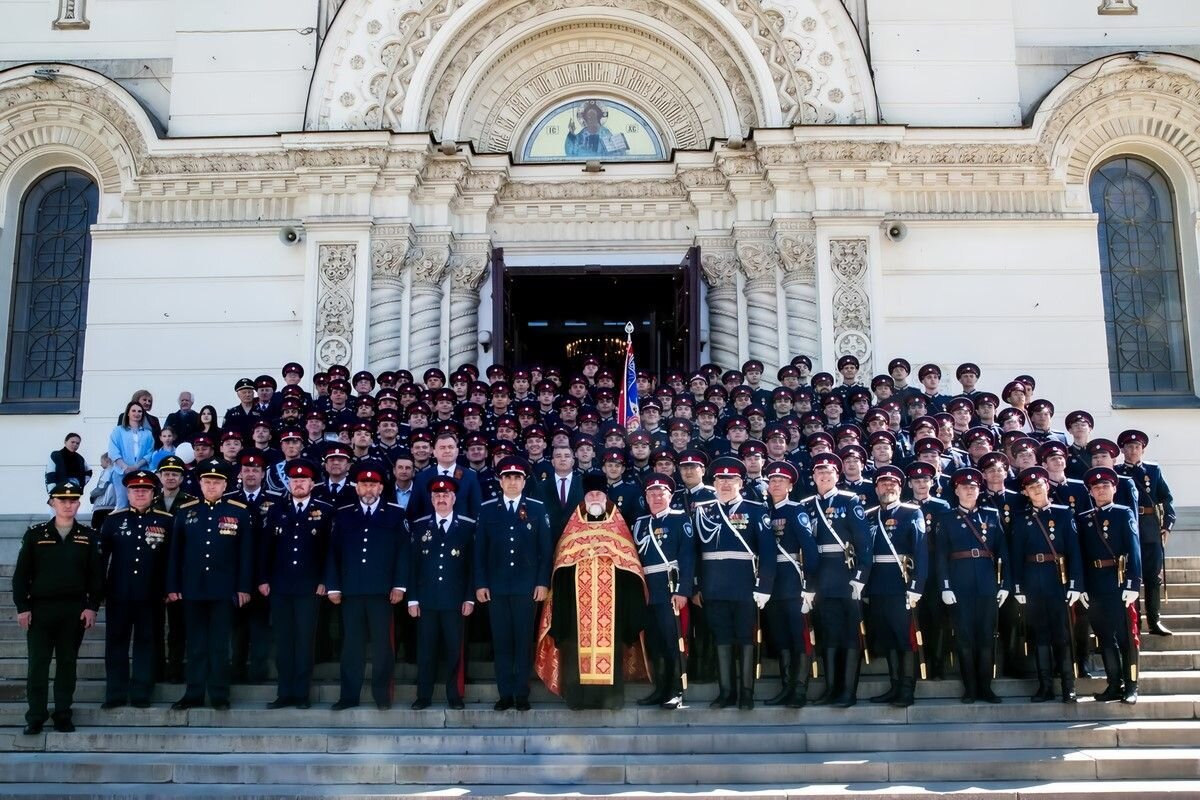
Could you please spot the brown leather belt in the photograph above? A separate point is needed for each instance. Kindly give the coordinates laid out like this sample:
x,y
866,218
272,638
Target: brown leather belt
x,y
974,552
1147,510
1104,563
1040,558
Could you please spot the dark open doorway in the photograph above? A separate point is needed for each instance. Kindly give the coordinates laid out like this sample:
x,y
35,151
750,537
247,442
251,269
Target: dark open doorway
x,y
557,316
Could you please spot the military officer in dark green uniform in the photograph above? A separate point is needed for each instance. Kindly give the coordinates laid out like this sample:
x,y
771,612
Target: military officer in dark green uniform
x,y
57,584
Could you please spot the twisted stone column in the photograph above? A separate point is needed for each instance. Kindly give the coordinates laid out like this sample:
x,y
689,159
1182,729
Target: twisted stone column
x,y
797,246
468,269
719,265
426,263
759,261
385,324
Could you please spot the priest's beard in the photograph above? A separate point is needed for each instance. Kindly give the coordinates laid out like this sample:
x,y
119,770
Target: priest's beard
x,y
595,510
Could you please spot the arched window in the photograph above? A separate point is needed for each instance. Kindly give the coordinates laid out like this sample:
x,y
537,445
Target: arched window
x,y
49,297
1142,284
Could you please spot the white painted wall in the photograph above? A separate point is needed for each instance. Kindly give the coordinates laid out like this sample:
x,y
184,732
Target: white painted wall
x,y
1017,297
119,29
166,312
944,62
241,68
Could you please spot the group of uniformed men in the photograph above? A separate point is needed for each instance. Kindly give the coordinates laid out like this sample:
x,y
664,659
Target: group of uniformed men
x,y
887,519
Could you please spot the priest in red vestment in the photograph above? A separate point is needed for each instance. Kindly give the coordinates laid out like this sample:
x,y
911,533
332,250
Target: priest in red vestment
x,y
589,638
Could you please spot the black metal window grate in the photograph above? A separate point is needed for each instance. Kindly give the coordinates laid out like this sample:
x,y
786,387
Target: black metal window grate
x,y
50,280
1144,308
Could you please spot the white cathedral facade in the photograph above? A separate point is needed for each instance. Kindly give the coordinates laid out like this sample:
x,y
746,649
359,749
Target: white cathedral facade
x,y
195,192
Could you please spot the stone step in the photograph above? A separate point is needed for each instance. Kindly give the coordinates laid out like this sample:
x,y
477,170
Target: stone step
x,y
1188,640
615,741
1181,605
555,715
1152,660
858,790
1175,575
762,769
1183,623
1179,591
1172,681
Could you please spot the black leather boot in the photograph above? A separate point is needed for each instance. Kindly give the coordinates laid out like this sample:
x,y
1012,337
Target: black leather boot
x,y
1153,611
657,696
1129,657
966,668
746,694
849,694
830,663
985,661
801,664
893,689
906,674
1063,658
1112,671
1045,679
787,680
726,696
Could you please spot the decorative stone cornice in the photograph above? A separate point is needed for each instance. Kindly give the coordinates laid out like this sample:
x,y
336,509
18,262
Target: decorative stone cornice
x,y
594,190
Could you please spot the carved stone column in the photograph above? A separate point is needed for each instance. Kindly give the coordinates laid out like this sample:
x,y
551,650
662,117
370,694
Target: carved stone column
x,y
719,264
335,304
851,301
426,263
796,242
468,269
760,262
389,245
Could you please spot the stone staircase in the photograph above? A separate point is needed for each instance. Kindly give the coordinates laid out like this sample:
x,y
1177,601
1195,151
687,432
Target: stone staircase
x,y
937,746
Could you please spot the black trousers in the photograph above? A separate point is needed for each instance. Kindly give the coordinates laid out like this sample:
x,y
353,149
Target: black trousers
x,y
513,627
439,632
974,618
732,621
170,639
1046,619
252,639
662,635
786,623
125,622
208,626
366,616
838,622
294,619
55,632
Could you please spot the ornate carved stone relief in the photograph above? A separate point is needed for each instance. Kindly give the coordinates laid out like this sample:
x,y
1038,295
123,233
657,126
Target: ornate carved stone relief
x,y
72,15
851,300
335,304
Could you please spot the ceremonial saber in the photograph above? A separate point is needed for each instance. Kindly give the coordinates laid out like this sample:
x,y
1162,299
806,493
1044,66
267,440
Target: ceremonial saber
x,y
673,586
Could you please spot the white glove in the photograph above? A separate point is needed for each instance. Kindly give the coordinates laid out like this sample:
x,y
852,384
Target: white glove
x,y
856,589
1020,598
911,599
948,597
760,599
1073,597
1128,596
1083,598
1001,596
806,601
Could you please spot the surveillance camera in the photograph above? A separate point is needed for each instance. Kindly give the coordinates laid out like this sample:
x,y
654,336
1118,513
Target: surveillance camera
x,y
895,231
290,236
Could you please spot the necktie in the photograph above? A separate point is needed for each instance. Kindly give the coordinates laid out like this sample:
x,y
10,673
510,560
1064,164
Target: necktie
x,y
299,508
442,525
512,506
562,491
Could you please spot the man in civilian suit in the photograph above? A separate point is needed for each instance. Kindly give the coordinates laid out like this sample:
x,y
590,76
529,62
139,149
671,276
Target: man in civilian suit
x,y
562,490
445,464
